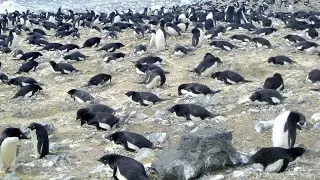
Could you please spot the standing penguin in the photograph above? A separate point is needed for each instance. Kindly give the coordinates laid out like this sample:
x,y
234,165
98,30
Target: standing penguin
x,y
39,139
9,140
285,127
160,38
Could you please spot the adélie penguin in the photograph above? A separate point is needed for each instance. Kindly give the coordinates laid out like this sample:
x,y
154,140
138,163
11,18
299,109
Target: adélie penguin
x,y
154,78
224,45
22,81
191,112
63,68
80,96
99,80
280,60
9,139
101,120
39,139
27,91
195,90
313,76
75,56
275,82
28,66
131,141
207,65
274,159
124,167
93,109
261,42
285,127
229,77
160,37
144,98
267,96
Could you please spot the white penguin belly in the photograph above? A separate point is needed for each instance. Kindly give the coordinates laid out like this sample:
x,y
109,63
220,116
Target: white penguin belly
x,y
154,82
8,152
279,137
274,167
194,118
188,93
66,71
34,140
275,100
104,126
79,100
119,175
178,53
28,94
152,40
172,32
132,146
160,40
147,102
230,81
258,167
209,70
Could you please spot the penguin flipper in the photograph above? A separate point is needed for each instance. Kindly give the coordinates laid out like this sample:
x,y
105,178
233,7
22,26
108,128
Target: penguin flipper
x,y
284,166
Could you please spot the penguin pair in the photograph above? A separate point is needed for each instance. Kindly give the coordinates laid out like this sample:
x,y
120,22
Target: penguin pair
x,y
101,120
144,98
195,90
99,80
130,141
207,65
80,96
229,77
191,112
63,68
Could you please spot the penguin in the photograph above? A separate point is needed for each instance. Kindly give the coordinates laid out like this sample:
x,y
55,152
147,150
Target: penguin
x,y
306,45
113,56
144,68
30,56
93,109
51,47
207,65
80,96
280,60
27,91
101,120
229,77
313,76
138,32
68,47
91,42
39,139
9,139
144,98
76,56
241,37
63,68
111,47
111,35
312,33
224,45
99,80
3,78
152,41
208,24
5,50
140,49
130,141
173,30
155,60
267,96
285,127
261,42
160,37
293,38
275,82
195,90
124,167
183,26
22,81
154,78
191,112
180,51
28,66
195,37
265,31
274,159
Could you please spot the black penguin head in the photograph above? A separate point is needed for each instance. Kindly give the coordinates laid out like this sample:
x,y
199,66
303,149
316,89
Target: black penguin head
x,y
111,137
182,86
298,118
107,159
215,75
271,59
34,126
107,77
255,96
39,53
195,31
13,81
152,31
52,63
14,132
86,117
80,112
173,108
297,152
130,93
162,22
71,92
120,44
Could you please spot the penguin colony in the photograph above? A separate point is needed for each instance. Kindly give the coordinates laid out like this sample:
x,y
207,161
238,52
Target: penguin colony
x,y
60,34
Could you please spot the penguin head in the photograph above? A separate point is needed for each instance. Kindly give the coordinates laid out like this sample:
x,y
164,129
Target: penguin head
x,y
13,81
111,137
173,108
195,32
298,118
120,44
271,60
215,75
277,75
182,86
255,96
297,152
86,117
107,159
34,126
14,132
71,92
130,93
162,22
52,63
80,112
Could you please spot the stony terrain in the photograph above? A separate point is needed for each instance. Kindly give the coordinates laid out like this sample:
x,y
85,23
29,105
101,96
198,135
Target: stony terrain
x,y
78,148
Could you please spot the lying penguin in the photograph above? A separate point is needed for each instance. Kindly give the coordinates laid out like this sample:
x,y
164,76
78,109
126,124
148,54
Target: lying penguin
x,y
191,112
101,120
195,90
144,98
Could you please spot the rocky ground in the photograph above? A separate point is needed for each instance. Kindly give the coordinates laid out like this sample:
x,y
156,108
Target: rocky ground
x,y
78,148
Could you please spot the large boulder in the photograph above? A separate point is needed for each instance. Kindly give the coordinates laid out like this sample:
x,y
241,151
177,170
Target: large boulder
x,y
198,153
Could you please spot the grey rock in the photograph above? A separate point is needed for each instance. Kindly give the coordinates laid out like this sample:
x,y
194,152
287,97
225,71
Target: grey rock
x,y
145,156
157,138
213,177
55,160
188,126
198,153
159,115
22,113
59,147
263,126
49,127
315,117
11,176
238,174
101,171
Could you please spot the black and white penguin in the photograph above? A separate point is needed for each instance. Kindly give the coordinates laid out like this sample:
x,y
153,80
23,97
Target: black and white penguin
x,y
152,41
22,81
124,167
261,42
130,141
306,46
39,139
280,60
181,50
51,47
91,42
63,68
101,120
30,56
80,96
229,77
113,56
275,82
313,76
195,37
182,25
93,109
27,91
285,126
75,56
68,47
144,68
195,90
241,37
160,37
224,45
3,77
312,33
154,78
140,49
274,159
267,96
265,31
155,60
27,67
191,112
99,80
111,47
293,38
173,30
207,65
144,98
9,139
